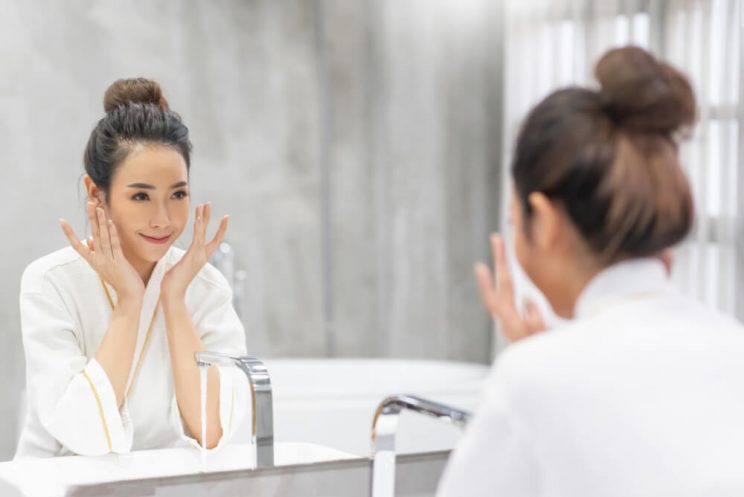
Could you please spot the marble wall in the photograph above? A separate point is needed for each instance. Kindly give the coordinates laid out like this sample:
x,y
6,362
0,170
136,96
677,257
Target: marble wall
x,y
355,144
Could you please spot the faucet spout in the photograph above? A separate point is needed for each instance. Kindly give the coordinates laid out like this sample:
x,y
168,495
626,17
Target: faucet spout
x,y
262,426
384,427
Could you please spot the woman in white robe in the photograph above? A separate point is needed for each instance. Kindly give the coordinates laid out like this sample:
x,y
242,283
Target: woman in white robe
x,y
641,391
110,327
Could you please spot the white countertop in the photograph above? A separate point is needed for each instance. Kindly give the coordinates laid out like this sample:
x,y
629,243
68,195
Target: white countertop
x,y
51,477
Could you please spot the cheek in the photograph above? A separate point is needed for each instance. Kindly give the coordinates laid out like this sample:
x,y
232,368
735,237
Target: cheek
x,y
121,218
180,215
521,248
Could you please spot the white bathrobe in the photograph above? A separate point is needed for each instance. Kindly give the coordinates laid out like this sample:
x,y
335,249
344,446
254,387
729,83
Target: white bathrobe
x,y
641,395
72,408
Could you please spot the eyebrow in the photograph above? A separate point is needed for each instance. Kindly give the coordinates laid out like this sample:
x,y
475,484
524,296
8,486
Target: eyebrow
x,y
146,186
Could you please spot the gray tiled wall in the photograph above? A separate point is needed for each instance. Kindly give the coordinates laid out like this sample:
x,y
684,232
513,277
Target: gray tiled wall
x,y
355,144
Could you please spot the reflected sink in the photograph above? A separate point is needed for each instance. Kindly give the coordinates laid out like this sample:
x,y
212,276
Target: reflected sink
x,y
51,477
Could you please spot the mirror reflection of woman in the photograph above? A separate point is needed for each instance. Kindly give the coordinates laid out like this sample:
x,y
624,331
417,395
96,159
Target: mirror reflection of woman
x,y
640,391
111,324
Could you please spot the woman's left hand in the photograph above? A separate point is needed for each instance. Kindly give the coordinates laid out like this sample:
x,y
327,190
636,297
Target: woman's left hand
x,y
177,279
498,297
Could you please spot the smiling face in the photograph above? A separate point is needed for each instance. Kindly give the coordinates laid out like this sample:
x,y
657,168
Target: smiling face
x,y
148,201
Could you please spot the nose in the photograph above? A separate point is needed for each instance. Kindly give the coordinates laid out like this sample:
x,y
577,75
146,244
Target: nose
x,y
160,217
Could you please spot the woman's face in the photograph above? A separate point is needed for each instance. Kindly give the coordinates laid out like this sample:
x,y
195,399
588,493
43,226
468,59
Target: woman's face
x,y
148,201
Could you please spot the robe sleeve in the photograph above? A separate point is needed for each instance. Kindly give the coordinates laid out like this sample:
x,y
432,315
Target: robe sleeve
x,y
221,331
71,394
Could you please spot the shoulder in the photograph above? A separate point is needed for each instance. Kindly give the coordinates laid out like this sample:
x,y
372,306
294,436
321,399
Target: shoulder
x,y
528,360
588,350
59,264
534,369
211,279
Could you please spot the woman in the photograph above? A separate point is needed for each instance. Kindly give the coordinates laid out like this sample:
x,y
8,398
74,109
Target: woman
x,y
640,392
110,327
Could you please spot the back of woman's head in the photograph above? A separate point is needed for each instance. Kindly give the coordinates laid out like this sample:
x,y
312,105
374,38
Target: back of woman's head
x,y
137,113
609,158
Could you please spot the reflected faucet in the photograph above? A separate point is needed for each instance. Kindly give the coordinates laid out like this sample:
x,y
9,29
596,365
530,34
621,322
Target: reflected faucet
x,y
384,426
262,425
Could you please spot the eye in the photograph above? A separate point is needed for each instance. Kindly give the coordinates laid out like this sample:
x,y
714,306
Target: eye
x,y
180,194
140,196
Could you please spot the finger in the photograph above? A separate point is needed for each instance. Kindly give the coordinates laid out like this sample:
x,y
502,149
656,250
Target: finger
x,y
115,242
75,242
501,267
512,324
219,236
486,288
507,317
198,225
103,227
533,317
94,228
667,258
492,298
89,242
206,214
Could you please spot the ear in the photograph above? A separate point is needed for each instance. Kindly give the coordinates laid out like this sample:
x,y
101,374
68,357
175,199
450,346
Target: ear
x,y
95,194
546,223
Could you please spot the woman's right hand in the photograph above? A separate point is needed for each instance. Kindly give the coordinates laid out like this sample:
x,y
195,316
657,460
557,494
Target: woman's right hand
x,y
499,299
104,254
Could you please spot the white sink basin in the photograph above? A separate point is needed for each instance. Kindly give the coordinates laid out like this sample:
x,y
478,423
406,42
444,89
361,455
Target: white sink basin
x,y
51,477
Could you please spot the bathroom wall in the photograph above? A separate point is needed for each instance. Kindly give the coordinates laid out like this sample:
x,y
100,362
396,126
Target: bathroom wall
x,y
354,143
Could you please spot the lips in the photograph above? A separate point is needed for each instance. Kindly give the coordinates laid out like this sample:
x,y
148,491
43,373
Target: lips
x,y
156,240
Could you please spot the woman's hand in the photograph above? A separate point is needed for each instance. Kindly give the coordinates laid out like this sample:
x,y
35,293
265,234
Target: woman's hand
x,y
103,253
499,300
667,258
177,279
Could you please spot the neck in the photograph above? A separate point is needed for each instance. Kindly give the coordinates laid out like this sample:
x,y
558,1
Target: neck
x,y
144,269
573,289
569,283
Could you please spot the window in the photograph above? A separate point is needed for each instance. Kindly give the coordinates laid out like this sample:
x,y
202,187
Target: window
x,y
553,43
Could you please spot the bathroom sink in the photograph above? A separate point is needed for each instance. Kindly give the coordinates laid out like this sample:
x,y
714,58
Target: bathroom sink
x,y
53,476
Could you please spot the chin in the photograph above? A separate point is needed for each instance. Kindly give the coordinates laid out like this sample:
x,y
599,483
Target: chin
x,y
154,254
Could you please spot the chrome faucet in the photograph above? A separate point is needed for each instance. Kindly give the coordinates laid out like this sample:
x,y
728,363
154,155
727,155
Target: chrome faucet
x,y
384,426
262,425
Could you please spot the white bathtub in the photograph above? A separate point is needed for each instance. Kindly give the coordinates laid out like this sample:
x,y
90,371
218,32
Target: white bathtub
x,y
331,401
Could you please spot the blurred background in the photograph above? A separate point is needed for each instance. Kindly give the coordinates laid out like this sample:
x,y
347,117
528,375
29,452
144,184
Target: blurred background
x,y
361,148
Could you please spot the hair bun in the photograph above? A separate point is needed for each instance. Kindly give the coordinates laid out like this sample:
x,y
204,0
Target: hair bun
x,y
643,94
135,90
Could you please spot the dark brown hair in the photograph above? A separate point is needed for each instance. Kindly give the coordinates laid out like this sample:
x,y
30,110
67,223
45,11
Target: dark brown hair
x,y
134,90
609,157
136,112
